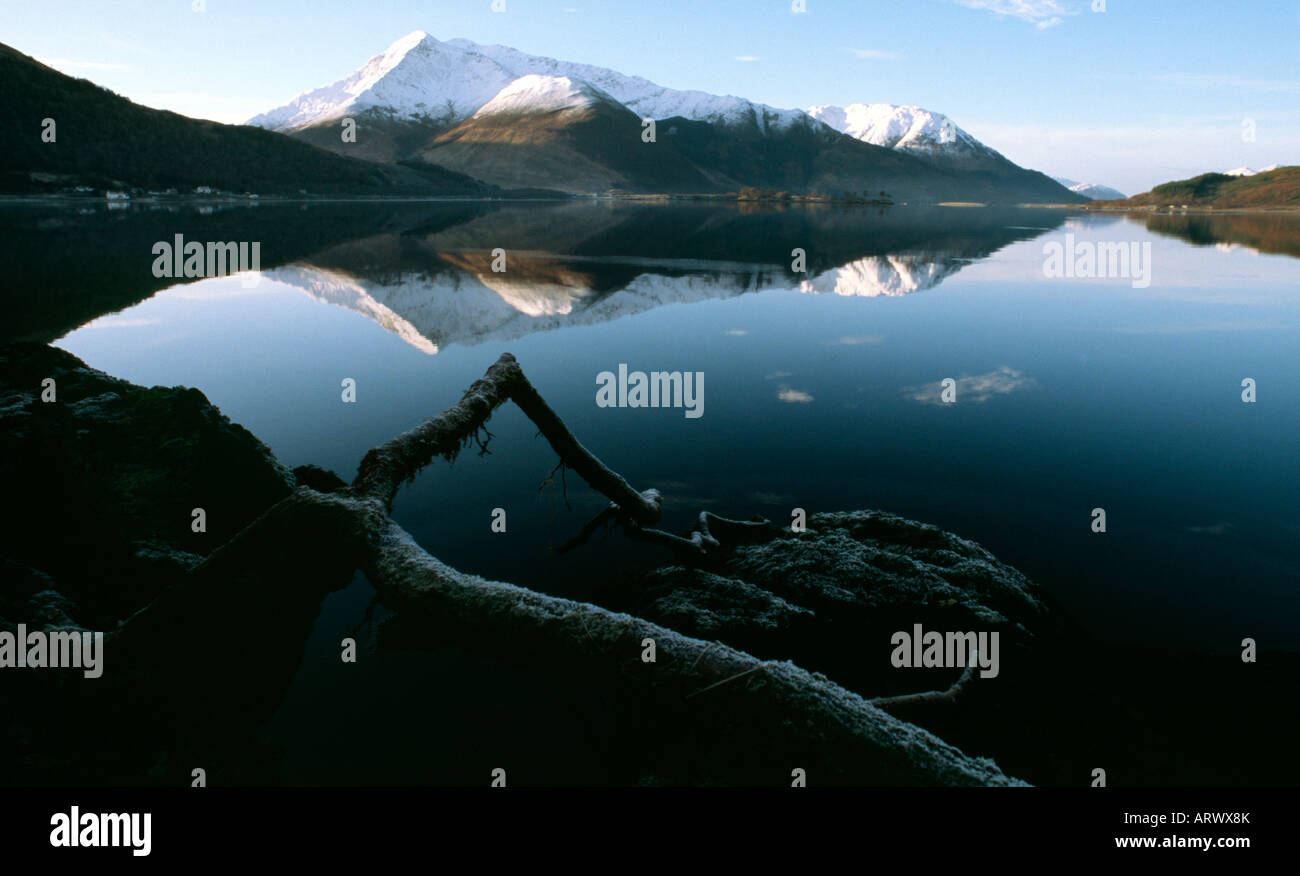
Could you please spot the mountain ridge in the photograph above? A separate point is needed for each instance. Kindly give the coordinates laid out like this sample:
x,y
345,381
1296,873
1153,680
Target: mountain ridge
x,y
702,144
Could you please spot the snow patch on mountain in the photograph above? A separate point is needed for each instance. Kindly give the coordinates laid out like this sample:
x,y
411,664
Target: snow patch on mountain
x,y
640,95
536,93
905,128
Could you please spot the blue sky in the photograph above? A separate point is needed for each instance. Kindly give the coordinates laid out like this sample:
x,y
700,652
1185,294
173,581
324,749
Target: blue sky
x,y
1142,92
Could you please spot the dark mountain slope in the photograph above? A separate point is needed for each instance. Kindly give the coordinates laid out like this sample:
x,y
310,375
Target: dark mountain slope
x,y
105,141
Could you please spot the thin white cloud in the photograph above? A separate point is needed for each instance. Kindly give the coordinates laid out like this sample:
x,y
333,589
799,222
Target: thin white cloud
x,y
794,396
747,59
876,55
1040,13
976,389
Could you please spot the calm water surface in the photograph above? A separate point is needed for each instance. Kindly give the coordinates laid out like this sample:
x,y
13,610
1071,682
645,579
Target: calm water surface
x,y
821,391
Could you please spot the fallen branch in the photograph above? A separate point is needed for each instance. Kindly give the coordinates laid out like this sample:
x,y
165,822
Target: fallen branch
x,y
641,507
796,718
832,730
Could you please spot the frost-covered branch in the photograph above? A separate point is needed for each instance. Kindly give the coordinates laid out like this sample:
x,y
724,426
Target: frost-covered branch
x,y
730,709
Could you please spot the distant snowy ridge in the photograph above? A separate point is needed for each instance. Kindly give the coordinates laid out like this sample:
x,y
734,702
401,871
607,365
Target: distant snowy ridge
x,y
640,95
1094,191
905,128
1247,171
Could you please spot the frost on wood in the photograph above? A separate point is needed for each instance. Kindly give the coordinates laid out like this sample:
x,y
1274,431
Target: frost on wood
x,y
713,695
715,714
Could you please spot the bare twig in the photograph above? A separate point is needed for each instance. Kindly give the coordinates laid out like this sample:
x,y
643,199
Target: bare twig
x,y
930,697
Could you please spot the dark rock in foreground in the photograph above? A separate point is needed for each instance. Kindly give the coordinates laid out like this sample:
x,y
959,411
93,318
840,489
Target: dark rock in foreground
x,y
830,598
101,483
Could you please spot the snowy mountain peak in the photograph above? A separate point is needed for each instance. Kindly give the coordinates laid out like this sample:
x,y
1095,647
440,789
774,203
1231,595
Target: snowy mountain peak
x,y
898,127
417,76
536,93
420,77
400,47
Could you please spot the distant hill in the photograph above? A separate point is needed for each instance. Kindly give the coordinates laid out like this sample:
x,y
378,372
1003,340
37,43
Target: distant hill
x,y
1274,188
1091,191
105,141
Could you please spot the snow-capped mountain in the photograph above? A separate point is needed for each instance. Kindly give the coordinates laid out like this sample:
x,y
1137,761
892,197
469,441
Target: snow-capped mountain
x,y
1092,191
935,139
1247,171
442,103
904,128
415,77
421,77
